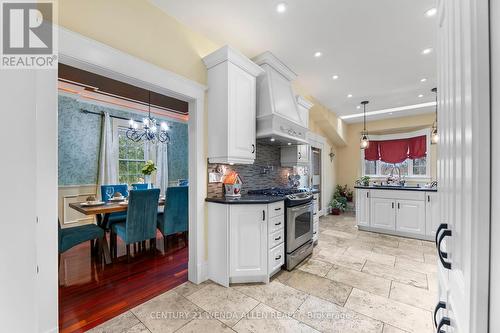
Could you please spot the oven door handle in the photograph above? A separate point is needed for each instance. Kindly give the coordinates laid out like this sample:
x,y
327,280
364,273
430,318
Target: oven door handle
x,y
301,208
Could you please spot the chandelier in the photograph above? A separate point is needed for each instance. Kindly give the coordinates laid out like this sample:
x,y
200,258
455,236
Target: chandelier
x,y
150,131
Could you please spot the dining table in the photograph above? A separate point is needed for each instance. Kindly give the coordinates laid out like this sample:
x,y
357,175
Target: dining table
x,y
102,213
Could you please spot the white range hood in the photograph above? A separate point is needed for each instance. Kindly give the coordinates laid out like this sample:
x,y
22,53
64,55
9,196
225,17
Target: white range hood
x,y
278,118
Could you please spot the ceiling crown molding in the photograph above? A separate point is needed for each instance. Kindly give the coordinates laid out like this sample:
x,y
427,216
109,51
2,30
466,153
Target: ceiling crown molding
x,y
271,60
227,53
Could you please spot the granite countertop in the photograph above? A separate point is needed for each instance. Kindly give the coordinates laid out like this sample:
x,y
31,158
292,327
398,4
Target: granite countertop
x,y
397,188
246,199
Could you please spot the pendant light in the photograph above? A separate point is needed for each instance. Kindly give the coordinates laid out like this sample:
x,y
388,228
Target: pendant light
x,y
434,132
364,142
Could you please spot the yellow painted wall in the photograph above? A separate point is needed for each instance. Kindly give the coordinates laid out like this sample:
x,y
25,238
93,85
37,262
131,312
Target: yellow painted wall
x,y
142,30
349,158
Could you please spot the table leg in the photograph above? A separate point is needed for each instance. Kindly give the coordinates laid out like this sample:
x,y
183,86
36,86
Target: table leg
x,y
102,221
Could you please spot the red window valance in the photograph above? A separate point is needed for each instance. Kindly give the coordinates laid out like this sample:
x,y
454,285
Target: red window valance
x,y
371,152
417,147
397,151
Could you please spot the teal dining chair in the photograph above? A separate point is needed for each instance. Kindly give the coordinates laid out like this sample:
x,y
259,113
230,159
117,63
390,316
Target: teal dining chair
x,y
106,195
140,224
140,186
174,218
70,237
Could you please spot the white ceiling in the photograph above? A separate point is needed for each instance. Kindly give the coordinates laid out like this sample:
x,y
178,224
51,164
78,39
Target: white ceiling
x,y
374,46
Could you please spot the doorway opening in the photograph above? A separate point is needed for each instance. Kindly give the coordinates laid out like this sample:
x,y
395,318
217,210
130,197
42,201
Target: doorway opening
x,y
102,277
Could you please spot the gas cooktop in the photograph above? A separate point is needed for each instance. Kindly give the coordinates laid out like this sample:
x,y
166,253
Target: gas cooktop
x,y
293,196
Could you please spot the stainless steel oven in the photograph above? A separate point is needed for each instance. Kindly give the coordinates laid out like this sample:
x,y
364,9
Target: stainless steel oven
x,y
299,225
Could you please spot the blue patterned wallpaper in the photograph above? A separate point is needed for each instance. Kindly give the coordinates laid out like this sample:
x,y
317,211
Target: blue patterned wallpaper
x,y
80,135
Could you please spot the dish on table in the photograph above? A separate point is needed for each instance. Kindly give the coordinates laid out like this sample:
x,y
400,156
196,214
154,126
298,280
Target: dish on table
x,y
92,203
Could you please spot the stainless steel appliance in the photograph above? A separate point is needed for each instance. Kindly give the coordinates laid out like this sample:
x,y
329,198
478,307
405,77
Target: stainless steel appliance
x,y
298,223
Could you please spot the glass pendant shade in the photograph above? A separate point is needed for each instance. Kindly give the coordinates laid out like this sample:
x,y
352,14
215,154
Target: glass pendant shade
x,y
364,142
434,136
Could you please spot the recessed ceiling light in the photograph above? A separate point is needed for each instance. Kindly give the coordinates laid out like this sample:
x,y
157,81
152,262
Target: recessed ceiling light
x,y
420,95
289,143
423,79
335,77
349,95
358,107
272,139
426,51
281,7
431,12
318,54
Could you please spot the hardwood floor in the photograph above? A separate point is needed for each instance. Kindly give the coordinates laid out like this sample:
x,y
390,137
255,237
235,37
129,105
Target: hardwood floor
x,y
91,293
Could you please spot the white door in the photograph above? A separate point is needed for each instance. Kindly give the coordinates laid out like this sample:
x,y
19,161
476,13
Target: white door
x,y
363,207
383,215
431,213
248,240
464,161
410,216
242,106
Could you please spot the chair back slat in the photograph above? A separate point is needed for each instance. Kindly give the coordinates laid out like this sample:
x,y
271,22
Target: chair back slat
x,y
175,215
142,215
122,188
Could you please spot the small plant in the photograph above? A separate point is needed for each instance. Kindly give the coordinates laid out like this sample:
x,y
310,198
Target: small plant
x,y
148,168
363,181
343,192
338,205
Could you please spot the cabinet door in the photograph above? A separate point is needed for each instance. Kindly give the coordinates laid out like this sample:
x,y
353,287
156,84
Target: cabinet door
x,y
248,240
303,153
410,216
383,214
363,207
242,113
431,213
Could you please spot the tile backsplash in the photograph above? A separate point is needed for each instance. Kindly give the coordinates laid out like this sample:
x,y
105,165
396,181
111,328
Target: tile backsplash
x,y
265,172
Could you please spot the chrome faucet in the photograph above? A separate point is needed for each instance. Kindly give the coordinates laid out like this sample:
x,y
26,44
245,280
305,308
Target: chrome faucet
x,y
392,179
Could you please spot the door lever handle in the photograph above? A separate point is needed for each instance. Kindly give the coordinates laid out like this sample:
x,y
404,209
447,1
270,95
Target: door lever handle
x,y
442,254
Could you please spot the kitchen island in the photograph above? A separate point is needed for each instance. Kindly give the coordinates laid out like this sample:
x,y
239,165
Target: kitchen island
x,y
407,211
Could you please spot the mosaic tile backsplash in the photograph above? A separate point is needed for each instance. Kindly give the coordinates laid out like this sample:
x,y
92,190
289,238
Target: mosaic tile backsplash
x,y
79,137
265,172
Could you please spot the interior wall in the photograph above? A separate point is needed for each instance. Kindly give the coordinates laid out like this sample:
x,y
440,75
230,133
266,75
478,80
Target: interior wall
x,y
349,158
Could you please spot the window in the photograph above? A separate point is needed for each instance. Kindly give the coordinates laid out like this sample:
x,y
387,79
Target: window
x,y
409,168
131,158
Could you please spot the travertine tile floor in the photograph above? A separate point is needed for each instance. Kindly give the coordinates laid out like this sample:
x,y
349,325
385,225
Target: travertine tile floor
x,y
355,282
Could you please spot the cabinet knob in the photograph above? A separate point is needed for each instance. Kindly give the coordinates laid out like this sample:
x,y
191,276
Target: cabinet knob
x,y
263,215
278,257
277,238
279,223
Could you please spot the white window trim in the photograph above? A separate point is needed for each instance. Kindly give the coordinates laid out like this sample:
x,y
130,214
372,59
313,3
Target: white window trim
x,y
397,136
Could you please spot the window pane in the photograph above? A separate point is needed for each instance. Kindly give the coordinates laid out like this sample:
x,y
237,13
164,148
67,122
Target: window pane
x,y
386,168
420,166
370,167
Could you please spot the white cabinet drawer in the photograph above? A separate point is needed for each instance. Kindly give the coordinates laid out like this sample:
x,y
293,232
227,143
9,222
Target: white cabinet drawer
x,y
276,238
276,258
398,194
276,209
276,223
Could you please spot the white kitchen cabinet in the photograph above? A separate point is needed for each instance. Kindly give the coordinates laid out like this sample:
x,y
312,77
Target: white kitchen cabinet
x,y
231,106
248,241
410,216
383,213
409,213
363,207
431,213
245,242
295,155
